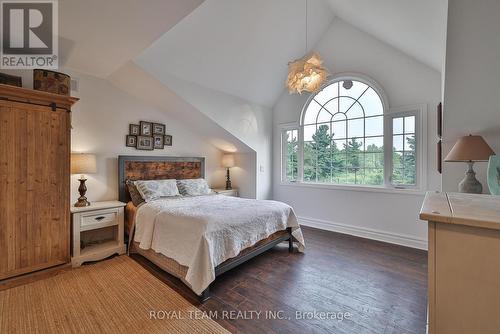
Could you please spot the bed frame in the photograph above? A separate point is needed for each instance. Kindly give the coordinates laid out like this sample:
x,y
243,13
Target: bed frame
x,y
164,167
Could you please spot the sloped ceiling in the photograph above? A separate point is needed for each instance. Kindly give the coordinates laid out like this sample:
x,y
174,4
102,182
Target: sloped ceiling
x,y
145,87
416,27
99,36
239,47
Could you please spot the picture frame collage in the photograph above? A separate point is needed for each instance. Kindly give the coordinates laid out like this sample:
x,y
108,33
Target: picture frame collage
x,y
148,136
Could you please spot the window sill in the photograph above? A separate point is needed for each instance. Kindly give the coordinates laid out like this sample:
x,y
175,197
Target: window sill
x,y
375,189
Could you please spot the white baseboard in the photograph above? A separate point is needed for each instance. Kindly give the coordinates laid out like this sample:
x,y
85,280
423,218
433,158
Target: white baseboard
x,y
363,232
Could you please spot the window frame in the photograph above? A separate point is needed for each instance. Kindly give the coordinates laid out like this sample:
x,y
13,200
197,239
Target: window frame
x,y
420,113
284,128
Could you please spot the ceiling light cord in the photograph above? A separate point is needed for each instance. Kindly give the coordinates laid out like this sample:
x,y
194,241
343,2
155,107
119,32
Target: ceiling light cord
x,y
307,73
306,24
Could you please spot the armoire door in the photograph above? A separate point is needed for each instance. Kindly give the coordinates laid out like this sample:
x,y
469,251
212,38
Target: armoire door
x,y
34,187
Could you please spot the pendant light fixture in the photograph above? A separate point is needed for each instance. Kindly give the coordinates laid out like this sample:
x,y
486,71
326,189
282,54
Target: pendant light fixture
x,y
307,73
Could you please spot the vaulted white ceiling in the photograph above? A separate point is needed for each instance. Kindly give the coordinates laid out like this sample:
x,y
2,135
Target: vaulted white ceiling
x,y
242,47
99,36
416,27
239,47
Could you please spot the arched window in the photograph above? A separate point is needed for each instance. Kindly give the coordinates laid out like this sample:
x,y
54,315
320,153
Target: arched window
x,y
343,131
342,135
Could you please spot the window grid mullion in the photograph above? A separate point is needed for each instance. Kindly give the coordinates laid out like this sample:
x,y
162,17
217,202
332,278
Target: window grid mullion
x,y
403,157
360,159
354,118
355,100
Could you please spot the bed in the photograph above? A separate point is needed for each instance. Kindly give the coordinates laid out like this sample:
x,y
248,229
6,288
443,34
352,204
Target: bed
x,y
198,238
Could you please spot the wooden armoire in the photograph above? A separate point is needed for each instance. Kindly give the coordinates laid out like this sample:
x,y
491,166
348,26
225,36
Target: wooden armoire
x,y
34,180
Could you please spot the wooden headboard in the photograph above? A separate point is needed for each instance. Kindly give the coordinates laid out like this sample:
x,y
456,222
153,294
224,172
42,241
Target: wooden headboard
x,y
133,167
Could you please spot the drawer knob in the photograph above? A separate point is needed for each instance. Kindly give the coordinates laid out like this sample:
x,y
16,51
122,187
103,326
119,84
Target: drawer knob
x,y
99,218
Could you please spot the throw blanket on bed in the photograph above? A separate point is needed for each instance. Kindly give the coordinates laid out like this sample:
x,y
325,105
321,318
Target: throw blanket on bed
x,y
202,232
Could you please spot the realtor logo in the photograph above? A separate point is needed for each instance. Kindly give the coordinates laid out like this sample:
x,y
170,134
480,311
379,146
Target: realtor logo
x,y
29,34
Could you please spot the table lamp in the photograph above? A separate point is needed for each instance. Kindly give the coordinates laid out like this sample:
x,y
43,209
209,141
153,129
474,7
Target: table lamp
x,y
470,149
82,164
228,162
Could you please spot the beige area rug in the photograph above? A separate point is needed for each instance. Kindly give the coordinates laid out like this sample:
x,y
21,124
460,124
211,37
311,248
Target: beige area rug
x,y
112,296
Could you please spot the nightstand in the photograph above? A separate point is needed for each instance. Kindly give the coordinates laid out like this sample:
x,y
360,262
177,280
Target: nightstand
x,y
97,231
231,192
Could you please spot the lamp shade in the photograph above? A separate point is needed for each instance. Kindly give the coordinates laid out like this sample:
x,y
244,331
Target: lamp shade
x,y
228,160
470,148
83,163
306,74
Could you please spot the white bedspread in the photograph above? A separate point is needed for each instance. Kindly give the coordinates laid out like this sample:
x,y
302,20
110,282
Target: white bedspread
x,y
202,232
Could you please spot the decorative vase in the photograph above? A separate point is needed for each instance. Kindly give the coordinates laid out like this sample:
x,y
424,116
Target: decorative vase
x,y
494,174
470,184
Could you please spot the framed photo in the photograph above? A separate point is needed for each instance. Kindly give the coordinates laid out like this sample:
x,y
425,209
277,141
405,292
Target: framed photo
x,y
158,129
439,150
134,130
167,140
146,128
440,120
145,143
131,141
158,141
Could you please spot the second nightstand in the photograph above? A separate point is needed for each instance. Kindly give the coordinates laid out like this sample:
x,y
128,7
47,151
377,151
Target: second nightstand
x,y
102,224
228,192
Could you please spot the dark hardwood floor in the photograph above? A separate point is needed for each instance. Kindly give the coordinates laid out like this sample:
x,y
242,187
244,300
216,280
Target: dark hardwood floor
x,y
383,287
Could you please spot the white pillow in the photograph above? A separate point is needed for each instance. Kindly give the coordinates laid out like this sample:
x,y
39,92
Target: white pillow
x,y
154,189
193,187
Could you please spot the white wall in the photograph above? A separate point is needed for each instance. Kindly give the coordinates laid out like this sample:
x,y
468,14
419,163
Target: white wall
x,y
391,217
247,121
472,82
100,122
146,88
